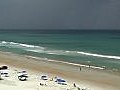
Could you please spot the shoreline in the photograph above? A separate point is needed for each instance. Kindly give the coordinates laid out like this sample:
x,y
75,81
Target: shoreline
x,y
69,63
94,77
78,66
104,69
88,63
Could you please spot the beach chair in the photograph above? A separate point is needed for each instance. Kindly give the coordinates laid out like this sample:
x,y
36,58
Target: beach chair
x,y
44,77
22,75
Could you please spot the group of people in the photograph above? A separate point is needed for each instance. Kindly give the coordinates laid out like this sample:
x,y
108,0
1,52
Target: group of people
x,y
23,76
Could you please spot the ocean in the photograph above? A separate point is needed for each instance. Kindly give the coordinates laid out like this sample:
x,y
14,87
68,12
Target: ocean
x,y
100,48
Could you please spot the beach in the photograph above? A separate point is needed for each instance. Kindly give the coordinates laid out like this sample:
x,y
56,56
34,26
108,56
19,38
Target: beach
x,y
93,79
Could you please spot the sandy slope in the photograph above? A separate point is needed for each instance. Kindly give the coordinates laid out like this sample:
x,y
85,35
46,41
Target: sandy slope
x,y
87,78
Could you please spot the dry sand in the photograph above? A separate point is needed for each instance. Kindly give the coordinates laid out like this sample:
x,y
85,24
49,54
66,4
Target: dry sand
x,y
88,78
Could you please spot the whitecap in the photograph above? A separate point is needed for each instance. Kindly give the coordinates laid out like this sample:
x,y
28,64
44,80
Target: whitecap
x,y
99,55
4,42
19,45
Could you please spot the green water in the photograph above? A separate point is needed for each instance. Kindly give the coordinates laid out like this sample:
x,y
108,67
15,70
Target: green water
x,y
64,45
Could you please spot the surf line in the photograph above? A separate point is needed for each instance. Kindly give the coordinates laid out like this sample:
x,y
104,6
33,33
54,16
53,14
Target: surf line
x,y
69,63
99,55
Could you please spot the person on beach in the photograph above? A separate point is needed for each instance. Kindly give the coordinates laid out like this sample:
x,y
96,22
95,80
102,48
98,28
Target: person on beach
x,y
80,68
74,84
89,66
0,76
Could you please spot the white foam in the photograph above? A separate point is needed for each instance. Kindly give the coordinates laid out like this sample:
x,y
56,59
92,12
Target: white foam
x,y
26,45
13,43
3,43
51,53
99,55
67,51
36,51
40,49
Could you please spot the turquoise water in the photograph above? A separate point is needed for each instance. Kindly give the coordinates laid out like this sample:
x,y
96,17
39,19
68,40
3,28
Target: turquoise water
x,y
98,48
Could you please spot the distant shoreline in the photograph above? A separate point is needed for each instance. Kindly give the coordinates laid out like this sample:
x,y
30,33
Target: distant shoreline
x,y
79,66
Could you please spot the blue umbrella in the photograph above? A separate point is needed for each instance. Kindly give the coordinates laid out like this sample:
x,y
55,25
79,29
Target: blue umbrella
x,y
60,80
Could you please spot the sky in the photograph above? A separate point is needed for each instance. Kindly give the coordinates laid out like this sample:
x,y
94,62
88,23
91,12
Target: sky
x,y
59,14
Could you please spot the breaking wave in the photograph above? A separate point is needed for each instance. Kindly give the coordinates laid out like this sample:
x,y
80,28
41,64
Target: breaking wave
x,y
39,49
99,55
18,45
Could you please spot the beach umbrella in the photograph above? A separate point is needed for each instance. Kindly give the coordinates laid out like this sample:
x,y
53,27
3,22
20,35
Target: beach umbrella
x,y
61,81
4,67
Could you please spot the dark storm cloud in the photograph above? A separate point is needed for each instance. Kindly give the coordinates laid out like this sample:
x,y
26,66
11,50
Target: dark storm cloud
x,y
79,14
